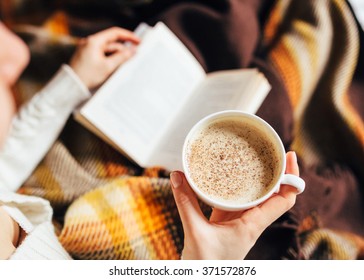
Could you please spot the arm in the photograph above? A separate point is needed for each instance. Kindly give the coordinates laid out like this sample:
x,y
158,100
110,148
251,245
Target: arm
x,y
39,122
34,130
37,125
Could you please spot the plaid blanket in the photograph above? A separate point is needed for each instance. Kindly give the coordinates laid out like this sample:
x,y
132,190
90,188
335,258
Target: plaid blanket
x,y
311,52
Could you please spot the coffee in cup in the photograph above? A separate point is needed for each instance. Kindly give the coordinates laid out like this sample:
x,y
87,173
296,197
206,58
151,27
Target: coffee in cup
x,y
234,160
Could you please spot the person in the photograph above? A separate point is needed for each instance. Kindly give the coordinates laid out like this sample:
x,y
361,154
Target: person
x,y
27,231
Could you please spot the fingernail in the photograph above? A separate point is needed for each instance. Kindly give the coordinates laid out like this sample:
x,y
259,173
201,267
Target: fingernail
x,y
176,179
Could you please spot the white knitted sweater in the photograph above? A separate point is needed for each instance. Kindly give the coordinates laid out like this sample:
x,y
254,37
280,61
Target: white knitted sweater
x,y
34,130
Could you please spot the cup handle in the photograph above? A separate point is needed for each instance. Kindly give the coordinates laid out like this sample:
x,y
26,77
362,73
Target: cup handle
x,y
294,181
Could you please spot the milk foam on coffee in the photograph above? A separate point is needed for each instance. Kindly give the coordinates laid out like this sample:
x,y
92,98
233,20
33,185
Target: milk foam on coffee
x,y
230,160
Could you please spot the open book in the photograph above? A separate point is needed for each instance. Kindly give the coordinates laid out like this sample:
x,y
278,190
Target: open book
x,y
147,107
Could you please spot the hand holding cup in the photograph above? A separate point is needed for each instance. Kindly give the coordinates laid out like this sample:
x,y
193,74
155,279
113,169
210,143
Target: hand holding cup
x,y
235,224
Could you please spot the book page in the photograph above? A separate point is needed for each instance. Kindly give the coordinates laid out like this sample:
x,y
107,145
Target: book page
x,y
141,99
226,90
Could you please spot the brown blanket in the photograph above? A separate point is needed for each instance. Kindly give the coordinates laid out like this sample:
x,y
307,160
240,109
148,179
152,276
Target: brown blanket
x,y
311,52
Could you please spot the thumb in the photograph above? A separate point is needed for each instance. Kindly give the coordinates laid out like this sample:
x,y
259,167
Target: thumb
x,y
187,203
119,57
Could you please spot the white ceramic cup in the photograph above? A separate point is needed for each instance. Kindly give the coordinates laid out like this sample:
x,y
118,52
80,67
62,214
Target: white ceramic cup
x,y
271,136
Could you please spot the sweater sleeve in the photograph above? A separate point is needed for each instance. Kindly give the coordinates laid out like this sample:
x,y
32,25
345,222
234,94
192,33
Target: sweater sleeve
x,y
34,216
37,126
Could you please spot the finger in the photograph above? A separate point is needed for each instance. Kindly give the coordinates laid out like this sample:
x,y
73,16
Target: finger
x,y
269,211
259,218
291,168
117,58
119,47
286,198
187,203
292,165
115,34
114,47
